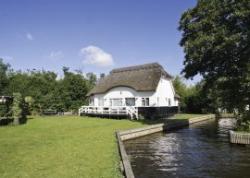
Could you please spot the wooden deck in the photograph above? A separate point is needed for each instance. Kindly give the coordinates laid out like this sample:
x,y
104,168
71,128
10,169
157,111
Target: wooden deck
x,y
117,111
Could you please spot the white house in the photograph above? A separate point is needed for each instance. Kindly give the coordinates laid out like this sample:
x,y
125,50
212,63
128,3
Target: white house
x,y
133,91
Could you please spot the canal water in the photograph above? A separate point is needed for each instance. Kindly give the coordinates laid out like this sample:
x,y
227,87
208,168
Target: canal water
x,y
199,151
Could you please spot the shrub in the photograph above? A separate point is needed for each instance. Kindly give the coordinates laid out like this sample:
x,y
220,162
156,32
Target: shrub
x,y
244,126
18,109
244,122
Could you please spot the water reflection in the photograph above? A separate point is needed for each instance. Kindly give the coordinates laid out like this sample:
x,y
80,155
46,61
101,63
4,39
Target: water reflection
x,y
202,150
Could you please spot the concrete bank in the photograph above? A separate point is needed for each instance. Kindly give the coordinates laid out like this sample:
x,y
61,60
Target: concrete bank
x,y
239,137
135,133
174,124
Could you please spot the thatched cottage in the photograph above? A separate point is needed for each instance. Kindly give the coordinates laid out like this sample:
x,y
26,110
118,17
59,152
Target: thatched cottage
x,y
136,91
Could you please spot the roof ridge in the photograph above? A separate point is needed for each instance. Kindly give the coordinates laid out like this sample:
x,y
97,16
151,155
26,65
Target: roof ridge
x,y
137,67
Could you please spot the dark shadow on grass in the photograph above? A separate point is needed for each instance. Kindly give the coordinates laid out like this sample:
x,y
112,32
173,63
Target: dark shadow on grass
x,y
9,121
23,120
6,121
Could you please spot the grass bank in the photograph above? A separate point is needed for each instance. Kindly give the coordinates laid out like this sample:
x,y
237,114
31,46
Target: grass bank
x,y
61,147
64,147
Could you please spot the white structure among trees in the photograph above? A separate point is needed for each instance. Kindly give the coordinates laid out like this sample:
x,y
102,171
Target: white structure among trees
x,y
133,91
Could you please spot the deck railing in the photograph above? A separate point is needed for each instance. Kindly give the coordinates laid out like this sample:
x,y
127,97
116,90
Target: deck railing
x,y
130,111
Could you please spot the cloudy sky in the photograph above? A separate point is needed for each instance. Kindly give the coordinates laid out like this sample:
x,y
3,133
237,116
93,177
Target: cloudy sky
x,y
91,35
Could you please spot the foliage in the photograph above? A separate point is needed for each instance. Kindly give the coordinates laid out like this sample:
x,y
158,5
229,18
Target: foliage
x,y
18,109
180,86
16,106
216,41
30,104
92,79
62,147
43,90
244,126
3,76
3,110
193,98
75,88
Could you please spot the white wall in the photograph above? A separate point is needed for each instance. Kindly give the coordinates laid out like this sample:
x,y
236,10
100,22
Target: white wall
x,y
164,92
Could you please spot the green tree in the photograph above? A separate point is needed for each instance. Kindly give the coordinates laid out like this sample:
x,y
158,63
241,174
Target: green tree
x,y
74,89
181,90
180,86
3,76
30,104
18,109
40,85
43,90
189,96
216,41
92,79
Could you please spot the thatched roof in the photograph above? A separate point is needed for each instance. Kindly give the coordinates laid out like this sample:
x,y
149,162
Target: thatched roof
x,y
141,78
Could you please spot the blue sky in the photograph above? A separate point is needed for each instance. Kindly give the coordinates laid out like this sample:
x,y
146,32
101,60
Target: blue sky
x,y
91,35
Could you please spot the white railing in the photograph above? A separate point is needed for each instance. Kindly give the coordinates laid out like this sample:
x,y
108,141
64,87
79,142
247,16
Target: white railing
x,y
130,111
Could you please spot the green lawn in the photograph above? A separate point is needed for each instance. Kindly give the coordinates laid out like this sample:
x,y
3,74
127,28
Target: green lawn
x,y
61,147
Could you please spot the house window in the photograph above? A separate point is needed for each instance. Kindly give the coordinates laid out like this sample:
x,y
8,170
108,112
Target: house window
x,y
145,101
130,101
117,102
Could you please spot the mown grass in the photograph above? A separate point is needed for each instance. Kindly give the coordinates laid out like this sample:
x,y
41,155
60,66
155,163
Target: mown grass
x,y
61,147
64,147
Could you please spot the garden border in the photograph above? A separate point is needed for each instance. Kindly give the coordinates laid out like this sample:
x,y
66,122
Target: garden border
x,y
121,136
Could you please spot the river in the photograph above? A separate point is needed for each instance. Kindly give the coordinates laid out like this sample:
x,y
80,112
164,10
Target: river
x,y
201,150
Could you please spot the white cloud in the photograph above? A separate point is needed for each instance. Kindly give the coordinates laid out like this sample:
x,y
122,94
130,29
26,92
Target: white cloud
x,y
96,56
56,55
29,36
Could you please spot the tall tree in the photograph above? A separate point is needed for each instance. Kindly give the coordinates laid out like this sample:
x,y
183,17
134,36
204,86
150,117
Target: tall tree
x,y
216,41
74,89
92,79
18,110
180,86
3,76
193,98
42,90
